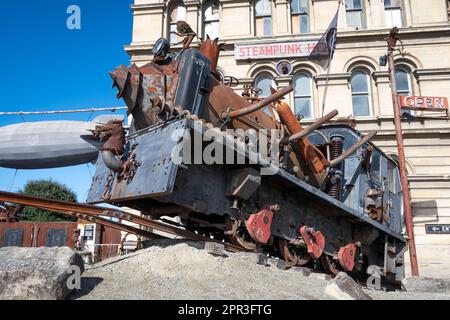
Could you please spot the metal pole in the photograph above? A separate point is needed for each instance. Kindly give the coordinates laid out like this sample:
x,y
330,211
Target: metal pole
x,y
25,113
402,165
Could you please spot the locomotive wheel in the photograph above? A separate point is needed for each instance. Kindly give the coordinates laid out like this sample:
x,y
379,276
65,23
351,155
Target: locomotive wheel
x,y
329,265
241,237
293,255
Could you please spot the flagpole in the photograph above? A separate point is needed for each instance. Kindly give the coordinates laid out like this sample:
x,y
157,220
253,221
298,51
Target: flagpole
x,y
324,99
326,87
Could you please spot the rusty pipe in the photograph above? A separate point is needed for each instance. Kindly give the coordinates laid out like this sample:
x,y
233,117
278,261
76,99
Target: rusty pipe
x,y
316,125
260,104
353,148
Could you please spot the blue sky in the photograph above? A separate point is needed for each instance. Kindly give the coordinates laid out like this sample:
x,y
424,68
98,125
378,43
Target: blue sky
x,y
46,66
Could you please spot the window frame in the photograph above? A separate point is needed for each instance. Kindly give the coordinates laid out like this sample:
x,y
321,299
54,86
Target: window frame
x,y
391,8
206,21
310,96
300,14
367,93
258,77
362,14
409,75
173,6
263,17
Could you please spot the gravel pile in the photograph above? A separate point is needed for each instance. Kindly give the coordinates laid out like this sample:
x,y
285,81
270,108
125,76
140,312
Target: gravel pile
x,y
172,269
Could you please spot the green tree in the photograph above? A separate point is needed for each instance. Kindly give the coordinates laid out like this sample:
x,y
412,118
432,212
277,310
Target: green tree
x,y
48,189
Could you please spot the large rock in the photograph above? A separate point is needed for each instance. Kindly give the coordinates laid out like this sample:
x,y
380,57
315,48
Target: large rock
x,y
424,284
37,273
343,287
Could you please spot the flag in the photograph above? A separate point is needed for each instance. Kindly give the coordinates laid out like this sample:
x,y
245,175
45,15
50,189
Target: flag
x,y
324,49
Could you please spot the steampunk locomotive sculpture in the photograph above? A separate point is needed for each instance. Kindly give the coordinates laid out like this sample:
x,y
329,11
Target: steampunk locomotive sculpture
x,y
241,169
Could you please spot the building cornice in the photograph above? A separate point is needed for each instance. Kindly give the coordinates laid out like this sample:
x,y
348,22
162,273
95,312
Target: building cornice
x,y
374,38
432,74
334,78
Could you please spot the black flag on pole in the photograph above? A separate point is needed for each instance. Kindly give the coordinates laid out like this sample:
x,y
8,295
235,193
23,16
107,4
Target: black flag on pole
x,y
324,49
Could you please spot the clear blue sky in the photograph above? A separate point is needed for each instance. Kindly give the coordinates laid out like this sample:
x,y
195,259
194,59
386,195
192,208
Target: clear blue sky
x,y
46,66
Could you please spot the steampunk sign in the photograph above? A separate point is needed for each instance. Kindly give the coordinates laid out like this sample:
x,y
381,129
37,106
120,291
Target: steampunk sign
x,y
437,228
424,103
274,50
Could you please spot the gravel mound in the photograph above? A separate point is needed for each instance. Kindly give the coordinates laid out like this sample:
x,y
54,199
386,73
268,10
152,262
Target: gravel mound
x,y
178,269
173,269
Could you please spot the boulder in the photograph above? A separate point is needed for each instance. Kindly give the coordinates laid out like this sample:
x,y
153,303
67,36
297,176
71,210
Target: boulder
x,y
424,284
38,273
343,287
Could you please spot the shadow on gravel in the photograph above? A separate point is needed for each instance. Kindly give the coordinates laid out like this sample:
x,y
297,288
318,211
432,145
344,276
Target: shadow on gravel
x,y
87,285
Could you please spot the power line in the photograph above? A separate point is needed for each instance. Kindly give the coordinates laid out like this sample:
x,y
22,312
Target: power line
x,y
23,113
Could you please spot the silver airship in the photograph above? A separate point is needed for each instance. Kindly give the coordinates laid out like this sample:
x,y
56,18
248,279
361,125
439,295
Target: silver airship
x,y
50,144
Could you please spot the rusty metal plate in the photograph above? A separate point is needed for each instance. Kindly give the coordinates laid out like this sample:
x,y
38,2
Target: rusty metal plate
x,y
156,173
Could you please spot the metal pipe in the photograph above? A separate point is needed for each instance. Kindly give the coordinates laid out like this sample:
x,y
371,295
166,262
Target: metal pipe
x,y
316,125
353,148
259,105
402,164
111,160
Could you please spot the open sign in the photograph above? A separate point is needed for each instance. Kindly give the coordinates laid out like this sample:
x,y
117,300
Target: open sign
x,y
424,103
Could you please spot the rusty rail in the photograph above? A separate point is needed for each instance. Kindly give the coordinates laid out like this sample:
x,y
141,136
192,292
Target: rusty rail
x,y
93,213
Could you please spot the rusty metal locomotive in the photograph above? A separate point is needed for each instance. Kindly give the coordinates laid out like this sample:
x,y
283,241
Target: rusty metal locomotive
x,y
322,196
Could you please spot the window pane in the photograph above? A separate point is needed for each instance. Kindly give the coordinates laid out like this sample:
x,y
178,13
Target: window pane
x,y
267,26
402,80
359,82
303,6
173,37
354,19
353,4
263,7
304,24
360,105
302,85
396,17
264,83
303,107
295,6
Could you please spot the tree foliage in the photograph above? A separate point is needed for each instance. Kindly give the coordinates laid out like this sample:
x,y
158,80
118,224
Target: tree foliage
x,y
48,189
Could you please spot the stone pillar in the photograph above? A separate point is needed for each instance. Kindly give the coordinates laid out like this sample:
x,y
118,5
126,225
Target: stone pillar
x,y
339,94
236,19
281,18
147,22
384,93
194,15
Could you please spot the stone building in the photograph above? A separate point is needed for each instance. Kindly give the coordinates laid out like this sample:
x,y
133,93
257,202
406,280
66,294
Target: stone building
x,y
259,35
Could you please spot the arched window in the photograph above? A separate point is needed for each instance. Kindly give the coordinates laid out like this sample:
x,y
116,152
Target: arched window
x,y
360,83
303,95
355,14
403,82
264,82
211,19
263,17
393,13
177,12
299,16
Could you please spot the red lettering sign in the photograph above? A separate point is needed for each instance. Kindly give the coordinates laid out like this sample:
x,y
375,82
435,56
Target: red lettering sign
x,y
274,50
423,103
